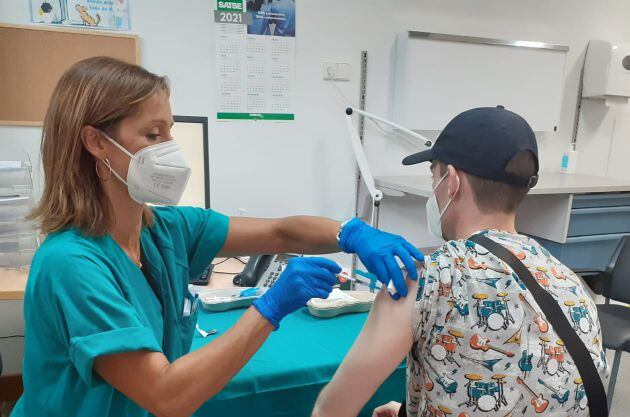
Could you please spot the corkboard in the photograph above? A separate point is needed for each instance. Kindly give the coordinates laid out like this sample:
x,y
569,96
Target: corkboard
x,y
33,58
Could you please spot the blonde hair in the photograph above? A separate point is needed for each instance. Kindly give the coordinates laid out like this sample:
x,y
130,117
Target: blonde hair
x,y
98,92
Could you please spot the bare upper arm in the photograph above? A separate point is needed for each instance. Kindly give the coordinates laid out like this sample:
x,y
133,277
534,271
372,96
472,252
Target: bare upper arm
x,y
381,346
129,372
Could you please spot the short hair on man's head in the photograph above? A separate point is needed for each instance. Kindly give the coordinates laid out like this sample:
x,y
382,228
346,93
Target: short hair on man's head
x,y
495,196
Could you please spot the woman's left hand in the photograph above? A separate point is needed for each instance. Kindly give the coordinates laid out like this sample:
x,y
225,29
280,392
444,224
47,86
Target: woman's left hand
x,y
391,409
378,251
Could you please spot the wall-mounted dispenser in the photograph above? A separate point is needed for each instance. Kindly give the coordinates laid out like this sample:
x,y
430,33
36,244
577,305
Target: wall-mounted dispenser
x,y
607,71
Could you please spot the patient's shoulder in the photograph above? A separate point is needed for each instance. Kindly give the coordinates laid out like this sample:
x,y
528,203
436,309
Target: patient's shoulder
x,y
451,254
447,250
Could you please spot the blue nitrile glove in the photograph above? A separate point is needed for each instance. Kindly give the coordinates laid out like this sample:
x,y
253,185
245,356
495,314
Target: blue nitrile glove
x,y
378,251
303,279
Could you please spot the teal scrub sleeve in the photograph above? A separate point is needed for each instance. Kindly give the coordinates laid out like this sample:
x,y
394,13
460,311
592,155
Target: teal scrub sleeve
x,y
89,313
204,233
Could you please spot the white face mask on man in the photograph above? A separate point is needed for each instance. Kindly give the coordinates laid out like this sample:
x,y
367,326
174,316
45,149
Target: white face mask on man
x,y
157,174
434,216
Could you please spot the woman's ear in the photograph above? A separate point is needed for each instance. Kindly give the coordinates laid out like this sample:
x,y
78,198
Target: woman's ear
x,y
93,141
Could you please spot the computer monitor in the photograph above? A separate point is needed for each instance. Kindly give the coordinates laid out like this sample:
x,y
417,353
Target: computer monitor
x,y
191,133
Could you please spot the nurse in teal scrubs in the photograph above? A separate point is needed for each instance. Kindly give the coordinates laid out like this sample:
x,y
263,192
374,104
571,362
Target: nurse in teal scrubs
x,y
109,318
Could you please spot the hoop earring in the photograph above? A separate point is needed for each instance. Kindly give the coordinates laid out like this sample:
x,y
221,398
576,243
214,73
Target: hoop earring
x,y
106,162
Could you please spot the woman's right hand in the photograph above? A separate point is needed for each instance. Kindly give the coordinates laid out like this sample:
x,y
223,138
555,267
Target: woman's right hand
x,y
303,279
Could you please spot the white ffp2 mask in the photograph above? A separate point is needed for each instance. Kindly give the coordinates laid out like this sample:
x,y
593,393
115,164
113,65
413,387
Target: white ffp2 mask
x,y
157,174
434,216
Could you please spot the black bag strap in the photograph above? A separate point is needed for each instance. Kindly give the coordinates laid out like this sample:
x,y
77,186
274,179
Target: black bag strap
x,y
593,385
403,409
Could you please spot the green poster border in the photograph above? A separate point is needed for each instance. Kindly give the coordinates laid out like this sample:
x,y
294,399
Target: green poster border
x,y
255,116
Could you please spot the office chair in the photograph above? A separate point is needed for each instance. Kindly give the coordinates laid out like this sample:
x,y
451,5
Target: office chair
x,y
615,318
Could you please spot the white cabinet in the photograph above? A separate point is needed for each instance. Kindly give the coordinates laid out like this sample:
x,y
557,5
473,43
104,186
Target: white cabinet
x,y
437,76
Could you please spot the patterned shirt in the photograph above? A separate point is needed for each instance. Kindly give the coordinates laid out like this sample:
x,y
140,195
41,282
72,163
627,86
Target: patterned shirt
x,y
482,345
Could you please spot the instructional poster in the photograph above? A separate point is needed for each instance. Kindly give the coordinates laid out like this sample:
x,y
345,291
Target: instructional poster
x,y
255,57
98,14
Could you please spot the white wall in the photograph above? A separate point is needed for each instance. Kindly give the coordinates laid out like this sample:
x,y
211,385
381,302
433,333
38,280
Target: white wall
x,y
566,22
276,169
250,161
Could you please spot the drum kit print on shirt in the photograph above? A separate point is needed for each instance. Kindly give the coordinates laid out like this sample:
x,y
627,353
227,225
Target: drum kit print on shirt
x,y
482,345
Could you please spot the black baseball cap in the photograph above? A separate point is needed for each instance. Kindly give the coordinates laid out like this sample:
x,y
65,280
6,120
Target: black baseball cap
x,y
482,142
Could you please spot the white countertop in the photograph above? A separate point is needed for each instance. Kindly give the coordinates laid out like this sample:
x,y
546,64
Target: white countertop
x,y
549,183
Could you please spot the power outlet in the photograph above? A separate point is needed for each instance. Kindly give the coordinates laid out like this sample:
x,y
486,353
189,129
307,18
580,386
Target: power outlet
x,y
336,71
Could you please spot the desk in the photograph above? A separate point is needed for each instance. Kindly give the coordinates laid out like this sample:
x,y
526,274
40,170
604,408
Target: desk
x,y
579,218
12,284
224,271
549,183
13,281
285,376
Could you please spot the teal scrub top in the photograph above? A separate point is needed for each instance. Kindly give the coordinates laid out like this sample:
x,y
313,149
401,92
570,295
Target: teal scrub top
x,y
86,298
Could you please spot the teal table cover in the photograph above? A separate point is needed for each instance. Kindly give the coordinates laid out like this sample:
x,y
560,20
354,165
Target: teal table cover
x,y
285,376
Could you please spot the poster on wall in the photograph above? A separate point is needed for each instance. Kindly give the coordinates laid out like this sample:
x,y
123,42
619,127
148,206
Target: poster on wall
x,y
255,58
97,14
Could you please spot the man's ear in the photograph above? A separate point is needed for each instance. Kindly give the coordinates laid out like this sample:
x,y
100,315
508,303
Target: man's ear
x,y
94,142
453,179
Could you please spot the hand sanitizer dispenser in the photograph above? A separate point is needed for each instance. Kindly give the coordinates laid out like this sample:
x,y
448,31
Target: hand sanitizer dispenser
x,y
607,71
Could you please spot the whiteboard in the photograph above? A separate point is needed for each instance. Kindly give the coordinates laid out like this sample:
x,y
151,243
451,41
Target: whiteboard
x,y
438,76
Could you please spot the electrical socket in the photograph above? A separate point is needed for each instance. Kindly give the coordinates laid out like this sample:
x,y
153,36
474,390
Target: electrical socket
x,y
336,71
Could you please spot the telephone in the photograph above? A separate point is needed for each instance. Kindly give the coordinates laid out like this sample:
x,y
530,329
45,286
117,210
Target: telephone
x,y
262,270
